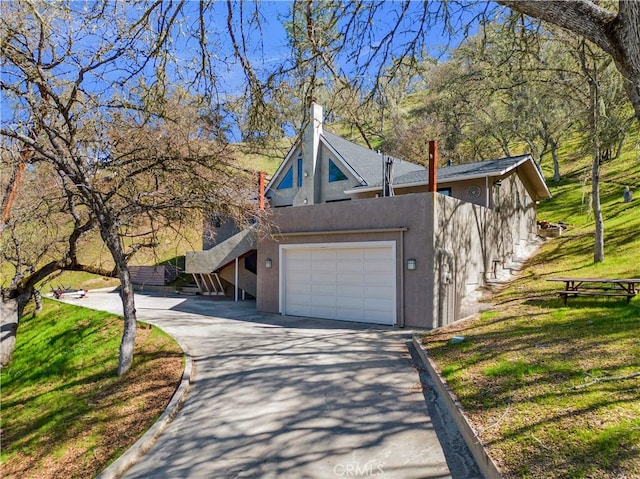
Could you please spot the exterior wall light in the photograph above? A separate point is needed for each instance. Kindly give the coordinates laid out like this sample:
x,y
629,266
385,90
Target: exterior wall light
x,y
411,264
268,263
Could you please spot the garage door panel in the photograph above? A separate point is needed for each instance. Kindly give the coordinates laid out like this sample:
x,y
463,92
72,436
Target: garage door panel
x,y
376,252
350,302
377,266
377,292
349,291
377,304
318,277
323,302
349,254
323,256
321,311
350,314
304,303
350,267
295,310
297,289
377,317
323,289
351,278
376,280
351,283
302,260
324,265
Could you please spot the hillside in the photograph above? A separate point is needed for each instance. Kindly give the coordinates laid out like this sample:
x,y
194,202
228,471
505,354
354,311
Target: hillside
x,y
537,379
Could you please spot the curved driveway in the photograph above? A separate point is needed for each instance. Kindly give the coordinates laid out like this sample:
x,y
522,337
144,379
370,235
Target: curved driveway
x,y
285,397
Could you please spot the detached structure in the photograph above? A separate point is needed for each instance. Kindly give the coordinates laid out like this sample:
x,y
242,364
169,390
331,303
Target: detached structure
x,y
363,237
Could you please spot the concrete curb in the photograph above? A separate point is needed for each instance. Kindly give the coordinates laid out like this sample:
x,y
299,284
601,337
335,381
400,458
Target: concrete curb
x,y
486,465
142,445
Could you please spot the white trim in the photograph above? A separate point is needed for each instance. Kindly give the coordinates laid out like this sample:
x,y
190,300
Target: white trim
x,y
282,166
346,245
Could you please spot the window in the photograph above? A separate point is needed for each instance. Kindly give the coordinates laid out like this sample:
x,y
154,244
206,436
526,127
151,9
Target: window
x,y
299,171
287,181
335,173
445,191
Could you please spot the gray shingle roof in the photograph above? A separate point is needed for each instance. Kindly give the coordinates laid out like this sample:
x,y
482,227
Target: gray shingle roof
x,y
367,163
457,172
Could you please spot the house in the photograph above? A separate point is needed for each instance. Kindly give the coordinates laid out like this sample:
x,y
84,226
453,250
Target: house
x,y
342,248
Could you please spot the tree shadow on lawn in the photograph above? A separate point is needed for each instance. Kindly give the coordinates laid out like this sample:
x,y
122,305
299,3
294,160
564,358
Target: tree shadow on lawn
x,y
537,364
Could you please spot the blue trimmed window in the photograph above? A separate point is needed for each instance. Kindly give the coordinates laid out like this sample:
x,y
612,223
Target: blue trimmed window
x,y
287,181
335,173
299,171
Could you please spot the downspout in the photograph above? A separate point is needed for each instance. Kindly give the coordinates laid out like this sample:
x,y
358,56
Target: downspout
x,y
402,273
431,288
486,189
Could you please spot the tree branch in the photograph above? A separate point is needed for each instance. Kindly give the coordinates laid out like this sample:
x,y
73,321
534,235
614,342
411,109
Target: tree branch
x,y
583,17
607,379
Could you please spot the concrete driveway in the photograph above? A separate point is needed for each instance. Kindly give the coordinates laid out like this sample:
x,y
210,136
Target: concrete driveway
x,y
288,397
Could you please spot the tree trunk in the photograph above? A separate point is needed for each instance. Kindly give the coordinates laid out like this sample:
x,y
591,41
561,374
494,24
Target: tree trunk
x,y
556,163
112,240
598,251
11,310
37,298
127,343
594,104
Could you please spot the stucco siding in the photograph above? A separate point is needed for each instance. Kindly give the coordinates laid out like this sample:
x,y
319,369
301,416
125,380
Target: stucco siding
x,y
460,189
364,217
472,243
457,245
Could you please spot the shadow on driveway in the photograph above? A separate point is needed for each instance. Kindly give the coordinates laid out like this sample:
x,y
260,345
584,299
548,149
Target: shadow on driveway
x,y
289,397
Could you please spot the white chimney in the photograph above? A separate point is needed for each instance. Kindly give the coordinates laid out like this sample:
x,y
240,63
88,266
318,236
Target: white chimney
x,y
315,130
310,191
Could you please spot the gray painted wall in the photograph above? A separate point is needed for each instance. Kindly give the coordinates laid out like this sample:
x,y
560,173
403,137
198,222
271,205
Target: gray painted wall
x,y
408,211
455,253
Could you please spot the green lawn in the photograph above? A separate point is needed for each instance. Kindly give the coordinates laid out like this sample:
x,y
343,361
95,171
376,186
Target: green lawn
x,y
65,412
523,370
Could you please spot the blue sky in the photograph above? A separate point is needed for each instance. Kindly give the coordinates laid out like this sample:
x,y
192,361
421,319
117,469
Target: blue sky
x,y
268,47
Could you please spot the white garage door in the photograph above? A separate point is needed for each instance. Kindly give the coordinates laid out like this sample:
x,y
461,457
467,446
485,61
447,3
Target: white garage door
x,y
345,281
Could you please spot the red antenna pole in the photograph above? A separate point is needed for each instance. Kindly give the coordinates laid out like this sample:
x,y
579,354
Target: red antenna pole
x,y
433,165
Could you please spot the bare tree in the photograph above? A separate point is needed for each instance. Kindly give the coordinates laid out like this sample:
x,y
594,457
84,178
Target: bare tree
x,y
130,154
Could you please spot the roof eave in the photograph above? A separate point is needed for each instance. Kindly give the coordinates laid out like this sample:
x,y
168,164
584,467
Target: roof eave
x,y
281,167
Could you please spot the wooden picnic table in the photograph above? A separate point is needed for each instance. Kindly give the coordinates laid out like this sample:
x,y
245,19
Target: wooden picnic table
x,y
625,287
